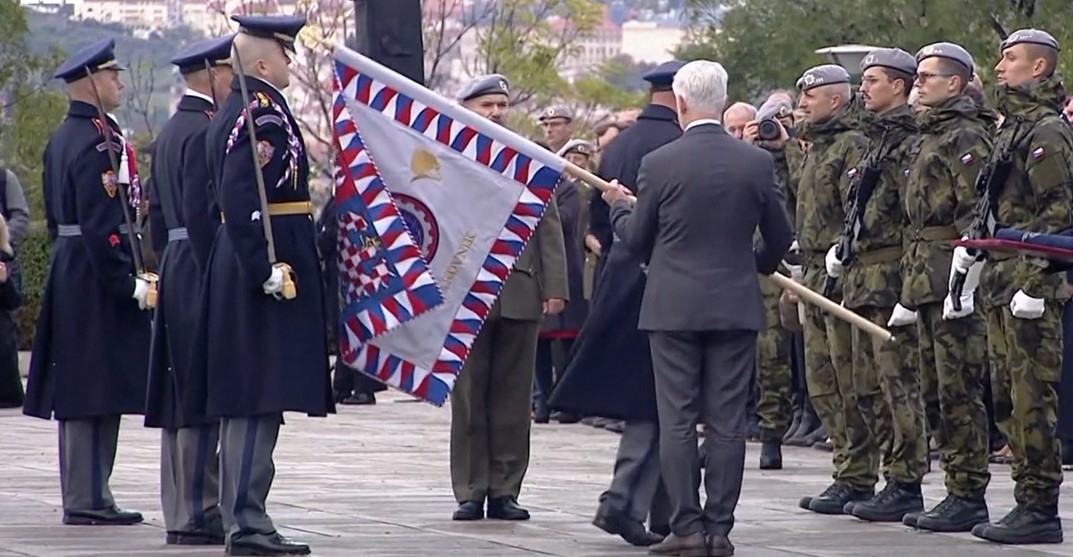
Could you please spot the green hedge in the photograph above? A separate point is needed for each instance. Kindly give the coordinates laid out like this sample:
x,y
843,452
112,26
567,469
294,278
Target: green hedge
x,y
33,258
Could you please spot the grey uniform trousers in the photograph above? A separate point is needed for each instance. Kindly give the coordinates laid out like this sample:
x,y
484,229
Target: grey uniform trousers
x,y
246,474
190,478
635,485
87,454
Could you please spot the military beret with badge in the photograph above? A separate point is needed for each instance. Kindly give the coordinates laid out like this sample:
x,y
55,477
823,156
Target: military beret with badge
x,y
818,76
491,84
949,51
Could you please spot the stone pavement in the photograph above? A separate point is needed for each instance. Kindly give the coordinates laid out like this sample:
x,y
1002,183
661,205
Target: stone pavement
x,y
373,482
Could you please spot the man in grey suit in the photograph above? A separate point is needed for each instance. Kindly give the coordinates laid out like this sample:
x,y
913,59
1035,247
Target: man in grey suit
x,y
694,225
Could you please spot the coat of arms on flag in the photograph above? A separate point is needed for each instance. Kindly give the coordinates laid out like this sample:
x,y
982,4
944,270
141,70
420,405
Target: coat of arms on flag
x,y
435,205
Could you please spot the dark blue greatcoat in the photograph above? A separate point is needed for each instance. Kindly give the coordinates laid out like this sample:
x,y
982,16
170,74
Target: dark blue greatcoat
x,y
255,354
178,161
609,373
92,341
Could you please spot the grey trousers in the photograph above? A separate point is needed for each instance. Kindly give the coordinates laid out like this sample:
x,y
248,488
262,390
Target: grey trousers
x,y
636,478
190,478
246,474
87,454
703,375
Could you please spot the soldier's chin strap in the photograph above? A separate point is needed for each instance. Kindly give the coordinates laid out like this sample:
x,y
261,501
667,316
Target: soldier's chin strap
x,y
124,200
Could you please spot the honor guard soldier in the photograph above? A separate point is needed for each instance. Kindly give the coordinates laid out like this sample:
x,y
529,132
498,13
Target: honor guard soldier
x,y
823,187
1022,305
189,466
953,145
92,340
866,264
558,124
261,345
490,403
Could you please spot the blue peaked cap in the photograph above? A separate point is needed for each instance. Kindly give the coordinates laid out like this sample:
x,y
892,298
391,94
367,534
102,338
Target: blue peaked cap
x,y
282,28
214,52
662,76
94,58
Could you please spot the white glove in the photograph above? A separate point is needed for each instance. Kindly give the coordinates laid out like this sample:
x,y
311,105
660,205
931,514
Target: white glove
x,y
797,272
963,259
274,284
794,247
901,317
967,307
141,290
834,265
1024,306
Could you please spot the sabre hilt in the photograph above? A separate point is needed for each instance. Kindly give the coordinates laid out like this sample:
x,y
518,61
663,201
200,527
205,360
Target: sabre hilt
x,y
290,281
151,280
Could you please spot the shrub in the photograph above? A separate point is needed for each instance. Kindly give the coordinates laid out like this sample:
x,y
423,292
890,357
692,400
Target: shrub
x,y
33,254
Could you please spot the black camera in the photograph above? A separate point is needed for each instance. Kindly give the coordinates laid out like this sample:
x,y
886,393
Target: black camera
x,y
768,126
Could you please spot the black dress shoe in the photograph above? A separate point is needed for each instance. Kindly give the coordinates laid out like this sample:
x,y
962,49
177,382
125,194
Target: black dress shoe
x,y
359,399
196,537
6,404
506,508
113,516
469,510
634,532
274,544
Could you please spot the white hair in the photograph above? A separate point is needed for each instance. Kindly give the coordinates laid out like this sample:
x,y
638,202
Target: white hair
x,y
702,84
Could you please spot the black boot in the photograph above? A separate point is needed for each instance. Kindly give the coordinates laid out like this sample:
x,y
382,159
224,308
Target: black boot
x,y
954,514
506,508
809,424
753,433
771,455
795,421
1026,524
892,503
834,498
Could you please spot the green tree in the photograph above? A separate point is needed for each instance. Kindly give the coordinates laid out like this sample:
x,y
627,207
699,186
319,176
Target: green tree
x,y
769,43
29,110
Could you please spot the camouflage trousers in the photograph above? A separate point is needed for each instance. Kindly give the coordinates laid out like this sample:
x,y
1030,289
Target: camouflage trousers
x,y
952,368
888,397
774,382
1025,360
829,376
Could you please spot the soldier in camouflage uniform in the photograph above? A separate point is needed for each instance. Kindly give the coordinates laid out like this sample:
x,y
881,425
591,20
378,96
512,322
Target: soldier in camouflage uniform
x,y
823,186
940,198
886,382
774,377
1022,305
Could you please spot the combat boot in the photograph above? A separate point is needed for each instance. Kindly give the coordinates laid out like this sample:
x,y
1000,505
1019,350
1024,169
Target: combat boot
x,y
795,420
1026,524
892,503
771,455
953,514
803,436
834,498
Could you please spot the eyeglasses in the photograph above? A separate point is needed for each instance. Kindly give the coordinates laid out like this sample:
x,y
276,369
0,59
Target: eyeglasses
x,y
924,76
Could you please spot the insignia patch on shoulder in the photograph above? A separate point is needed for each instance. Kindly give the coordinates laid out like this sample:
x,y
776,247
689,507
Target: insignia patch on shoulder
x,y
1037,152
262,99
264,152
110,183
852,172
967,159
113,240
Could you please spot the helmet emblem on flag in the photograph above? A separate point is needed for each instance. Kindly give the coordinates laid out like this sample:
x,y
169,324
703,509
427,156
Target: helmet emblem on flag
x,y
424,165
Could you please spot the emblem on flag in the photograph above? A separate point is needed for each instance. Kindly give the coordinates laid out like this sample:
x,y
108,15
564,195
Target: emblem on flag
x,y
414,307
967,159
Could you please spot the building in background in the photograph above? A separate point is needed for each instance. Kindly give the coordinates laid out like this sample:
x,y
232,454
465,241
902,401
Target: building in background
x,y
651,42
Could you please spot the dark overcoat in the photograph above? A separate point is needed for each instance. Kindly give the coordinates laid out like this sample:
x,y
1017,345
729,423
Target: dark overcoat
x,y
175,165
255,354
91,346
567,323
609,373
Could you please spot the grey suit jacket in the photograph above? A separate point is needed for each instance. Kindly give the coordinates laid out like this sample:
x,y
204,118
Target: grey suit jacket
x,y
700,199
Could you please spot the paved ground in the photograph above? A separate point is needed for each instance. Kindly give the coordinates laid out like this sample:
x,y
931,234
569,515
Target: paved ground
x,y
373,482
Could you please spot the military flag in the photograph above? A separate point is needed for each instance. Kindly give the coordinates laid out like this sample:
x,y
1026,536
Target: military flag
x,y
1055,248
435,204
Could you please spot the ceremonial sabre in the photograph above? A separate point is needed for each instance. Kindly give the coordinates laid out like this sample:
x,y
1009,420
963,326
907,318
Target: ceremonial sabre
x,y
124,200
290,289
802,291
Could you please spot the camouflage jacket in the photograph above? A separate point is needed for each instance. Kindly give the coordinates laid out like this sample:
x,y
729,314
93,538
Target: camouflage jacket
x,y
822,190
940,196
874,277
1037,194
